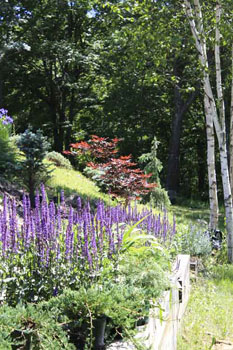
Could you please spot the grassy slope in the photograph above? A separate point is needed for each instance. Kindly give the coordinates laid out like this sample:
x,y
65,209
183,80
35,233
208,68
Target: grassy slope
x,y
72,181
209,315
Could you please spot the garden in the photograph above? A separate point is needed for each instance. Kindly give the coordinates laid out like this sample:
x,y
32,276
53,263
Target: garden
x,y
116,175
79,272
67,270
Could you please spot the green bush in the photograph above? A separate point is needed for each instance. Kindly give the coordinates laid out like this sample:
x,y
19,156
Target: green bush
x,y
28,328
159,198
7,160
196,242
33,171
7,154
59,160
78,310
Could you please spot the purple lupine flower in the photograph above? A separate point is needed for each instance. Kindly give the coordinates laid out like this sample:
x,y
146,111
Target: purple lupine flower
x,y
69,234
93,241
111,243
79,205
85,237
5,119
4,236
13,226
52,220
62,198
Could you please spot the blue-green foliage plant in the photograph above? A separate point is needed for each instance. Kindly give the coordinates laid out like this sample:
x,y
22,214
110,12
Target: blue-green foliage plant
x,y
34,147
195,241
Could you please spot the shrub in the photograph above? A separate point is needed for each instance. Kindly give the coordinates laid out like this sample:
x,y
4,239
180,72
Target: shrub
x,y
7,159
33,171
59,160
120,176
152,164
159,198
123,296
28,328
7,154
196,242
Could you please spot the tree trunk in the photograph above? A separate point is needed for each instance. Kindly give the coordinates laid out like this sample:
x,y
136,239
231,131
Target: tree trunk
x,y
231,128
68,133
218,119
213,198
58,132
227,196
173,167
202,165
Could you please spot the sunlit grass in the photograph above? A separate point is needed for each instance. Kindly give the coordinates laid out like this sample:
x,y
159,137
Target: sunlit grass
x,y
73,182
196,212
209,315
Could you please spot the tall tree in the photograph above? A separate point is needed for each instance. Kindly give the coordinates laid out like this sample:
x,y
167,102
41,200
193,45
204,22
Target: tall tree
x,y
214,105
53,75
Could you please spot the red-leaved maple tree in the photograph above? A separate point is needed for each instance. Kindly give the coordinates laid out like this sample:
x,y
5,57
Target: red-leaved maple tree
x,y
120,175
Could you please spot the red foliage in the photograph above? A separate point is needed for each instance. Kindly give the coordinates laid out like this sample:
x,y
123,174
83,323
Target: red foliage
x,y
98,147
121,176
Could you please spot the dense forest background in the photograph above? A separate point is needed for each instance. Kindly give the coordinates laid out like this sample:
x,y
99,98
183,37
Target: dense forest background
x,y
125,69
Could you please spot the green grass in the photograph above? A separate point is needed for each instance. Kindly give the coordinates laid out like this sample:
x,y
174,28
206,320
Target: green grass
x,y
73,182
209,314
196,214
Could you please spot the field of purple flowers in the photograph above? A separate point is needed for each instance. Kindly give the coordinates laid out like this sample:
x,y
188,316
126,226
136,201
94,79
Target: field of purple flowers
x,y
55,245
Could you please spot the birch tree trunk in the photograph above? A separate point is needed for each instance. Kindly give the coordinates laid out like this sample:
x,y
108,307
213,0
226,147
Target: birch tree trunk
x,y
218,117
231,127
201,47
213,198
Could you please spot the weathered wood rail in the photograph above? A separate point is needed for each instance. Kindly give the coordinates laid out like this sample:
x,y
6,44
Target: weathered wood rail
x,y
161,332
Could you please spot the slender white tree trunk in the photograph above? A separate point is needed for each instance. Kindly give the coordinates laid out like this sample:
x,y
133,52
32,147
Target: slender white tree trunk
x,y
222,138
196,25
201,47
231,126
213,198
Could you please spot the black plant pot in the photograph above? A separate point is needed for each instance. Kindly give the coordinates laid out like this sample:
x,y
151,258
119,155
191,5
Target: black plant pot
x,y
142,321
98,332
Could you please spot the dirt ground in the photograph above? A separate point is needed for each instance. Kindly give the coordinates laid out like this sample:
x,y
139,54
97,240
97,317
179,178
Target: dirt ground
x,y
222,346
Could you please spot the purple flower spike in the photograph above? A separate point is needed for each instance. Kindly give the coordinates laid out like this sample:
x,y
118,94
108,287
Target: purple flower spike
x,y
4,117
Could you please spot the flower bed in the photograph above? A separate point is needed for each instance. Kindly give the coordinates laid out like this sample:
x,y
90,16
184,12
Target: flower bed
x,y
79,264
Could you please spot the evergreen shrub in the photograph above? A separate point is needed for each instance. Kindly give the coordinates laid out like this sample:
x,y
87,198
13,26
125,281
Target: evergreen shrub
x,y
159,198
26,327
33,172
59,160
